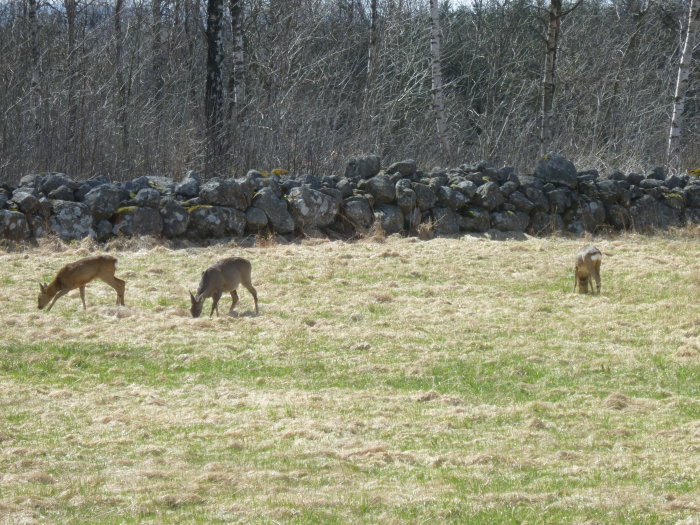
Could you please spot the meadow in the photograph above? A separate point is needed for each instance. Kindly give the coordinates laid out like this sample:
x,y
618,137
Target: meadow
x,y
402,381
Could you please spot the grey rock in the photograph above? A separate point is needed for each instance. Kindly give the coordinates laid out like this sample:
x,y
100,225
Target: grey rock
x,y
520,202
63,193
175,217
189,186
276,210
556,169
390,217
380,187
164,185
71,220
33,180
542,223
357,211
451,198
445,221
5,197
425,197
13,225
103,200
489,196
692,195
405,196
592,215
55,180
215,222
311,208
559,200
648,214
136,221
651,183
509,187
657,173
510,221
147,197
618,217
674,181
226,192
635,178
405,167
538,198
674,199
27,203
475,220
256,220
345,186
103,230
86,186
466,188
362,167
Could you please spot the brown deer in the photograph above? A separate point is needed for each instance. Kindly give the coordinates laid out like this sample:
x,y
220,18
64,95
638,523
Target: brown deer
x,y
587,268
77,274
223,276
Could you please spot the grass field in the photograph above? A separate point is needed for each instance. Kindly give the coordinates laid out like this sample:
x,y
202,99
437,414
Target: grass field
x,y
454,380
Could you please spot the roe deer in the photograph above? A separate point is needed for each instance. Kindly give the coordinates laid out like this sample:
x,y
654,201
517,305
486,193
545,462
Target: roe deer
x,y
587,268
77,274
223,276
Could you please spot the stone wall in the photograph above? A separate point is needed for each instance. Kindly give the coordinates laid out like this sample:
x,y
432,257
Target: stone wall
x,y
470,198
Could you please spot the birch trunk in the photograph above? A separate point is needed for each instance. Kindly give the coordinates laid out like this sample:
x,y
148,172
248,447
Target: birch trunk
x,y
438,94
237,80
549,83
214,94
674,139
121,89
34,81
372,54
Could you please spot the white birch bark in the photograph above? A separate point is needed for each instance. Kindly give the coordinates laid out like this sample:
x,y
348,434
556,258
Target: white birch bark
x,y
238,81
549,82
674,139
438,94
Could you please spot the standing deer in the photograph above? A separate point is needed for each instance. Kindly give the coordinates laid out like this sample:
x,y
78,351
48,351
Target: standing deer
x,y
223,276
77,274
587,267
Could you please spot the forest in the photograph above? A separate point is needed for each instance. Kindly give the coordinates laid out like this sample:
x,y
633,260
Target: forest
x,y
123,88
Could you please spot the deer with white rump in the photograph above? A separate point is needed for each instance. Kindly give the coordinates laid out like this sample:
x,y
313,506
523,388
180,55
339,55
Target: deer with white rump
x,y
77,274
587,268
223,276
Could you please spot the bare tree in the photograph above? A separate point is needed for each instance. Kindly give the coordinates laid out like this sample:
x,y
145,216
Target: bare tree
x,y
436,74
237,82
214,95
550,66
679,98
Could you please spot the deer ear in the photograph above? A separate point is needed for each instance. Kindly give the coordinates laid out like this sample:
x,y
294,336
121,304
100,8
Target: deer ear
x,y
192,298
42,287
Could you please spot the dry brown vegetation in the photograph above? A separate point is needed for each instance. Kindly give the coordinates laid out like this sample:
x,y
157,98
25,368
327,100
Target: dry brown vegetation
x,y
395,381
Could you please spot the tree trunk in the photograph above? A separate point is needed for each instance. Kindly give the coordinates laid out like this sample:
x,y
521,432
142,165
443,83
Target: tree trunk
x,y
674,139
121,89
34,81
436,69
549,84
372,55
237,81
214,95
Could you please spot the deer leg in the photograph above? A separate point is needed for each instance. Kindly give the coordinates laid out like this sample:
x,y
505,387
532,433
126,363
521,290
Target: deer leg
x,y
82,296
60,293
252,291
215,304
575,278
596,275
234,300
119,286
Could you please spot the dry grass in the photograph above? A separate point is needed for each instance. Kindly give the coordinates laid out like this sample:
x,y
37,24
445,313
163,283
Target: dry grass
x,y
401,381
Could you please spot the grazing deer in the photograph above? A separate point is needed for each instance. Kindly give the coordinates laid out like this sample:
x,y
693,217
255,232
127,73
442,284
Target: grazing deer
x,y
587,268
223,276
77,274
